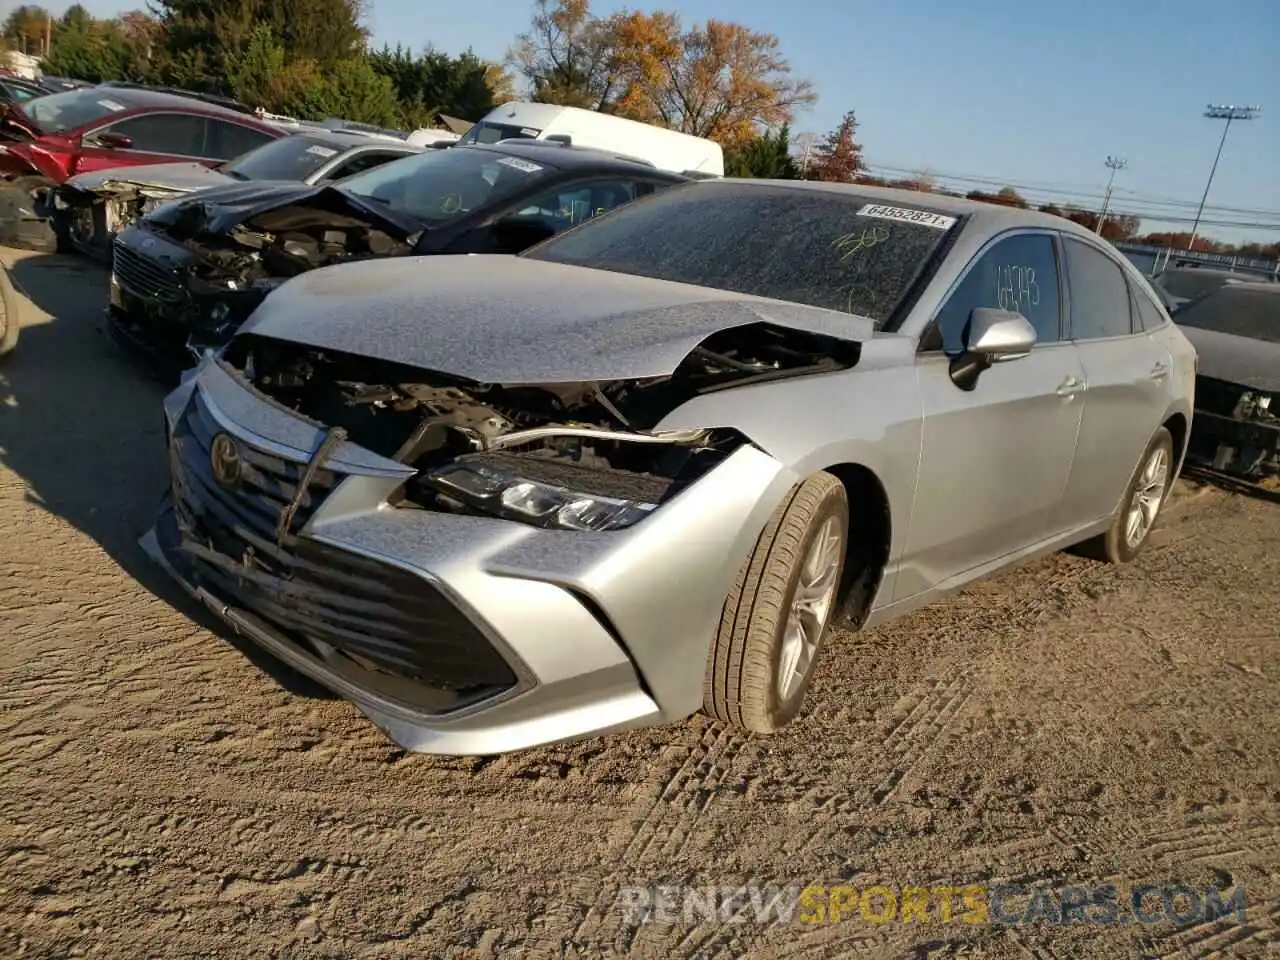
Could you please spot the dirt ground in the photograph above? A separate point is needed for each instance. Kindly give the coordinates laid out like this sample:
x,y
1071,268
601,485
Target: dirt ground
x,y
167,791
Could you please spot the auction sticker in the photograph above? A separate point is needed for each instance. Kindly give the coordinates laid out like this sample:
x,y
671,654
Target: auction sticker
x,y
320,151
114,106
519,164
906,215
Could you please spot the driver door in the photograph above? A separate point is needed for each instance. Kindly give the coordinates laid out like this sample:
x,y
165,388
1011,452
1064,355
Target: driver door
x,y
994,461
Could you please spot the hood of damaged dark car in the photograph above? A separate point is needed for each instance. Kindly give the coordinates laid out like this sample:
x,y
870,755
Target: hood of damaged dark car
x,y
216,211
1233,359
502,319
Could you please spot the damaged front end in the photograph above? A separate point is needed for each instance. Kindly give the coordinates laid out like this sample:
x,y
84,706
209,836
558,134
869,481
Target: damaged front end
x,y
188,275
1236,429
91,218
475,565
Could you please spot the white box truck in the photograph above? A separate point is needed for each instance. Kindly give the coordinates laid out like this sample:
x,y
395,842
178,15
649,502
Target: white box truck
x,y
665,149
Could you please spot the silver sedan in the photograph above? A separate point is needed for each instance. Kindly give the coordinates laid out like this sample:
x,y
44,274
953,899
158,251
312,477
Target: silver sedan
x,y
643,468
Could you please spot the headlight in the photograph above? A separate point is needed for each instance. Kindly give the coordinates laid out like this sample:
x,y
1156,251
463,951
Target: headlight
x,y
517,498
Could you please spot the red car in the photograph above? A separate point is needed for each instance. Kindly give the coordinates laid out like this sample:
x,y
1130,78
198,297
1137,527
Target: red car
x,y
55,137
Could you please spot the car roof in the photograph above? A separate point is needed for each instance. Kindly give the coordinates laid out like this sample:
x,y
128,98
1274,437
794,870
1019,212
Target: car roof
x,y
564,157
348,139
136,98
992,217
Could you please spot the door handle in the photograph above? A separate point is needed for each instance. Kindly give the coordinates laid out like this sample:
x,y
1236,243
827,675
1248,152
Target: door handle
x,y
1159,371
1070,387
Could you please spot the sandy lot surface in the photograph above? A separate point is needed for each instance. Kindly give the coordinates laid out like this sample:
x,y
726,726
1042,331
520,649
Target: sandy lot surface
x,y
168,792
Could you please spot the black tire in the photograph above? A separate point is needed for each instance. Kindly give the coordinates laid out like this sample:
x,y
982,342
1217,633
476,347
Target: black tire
x,y
22,223
741,685
1114,546
10,322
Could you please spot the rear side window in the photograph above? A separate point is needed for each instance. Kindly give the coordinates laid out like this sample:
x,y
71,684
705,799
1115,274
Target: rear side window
x,y
364,161
1099,294
1146,316
229,140
1019,273
180,134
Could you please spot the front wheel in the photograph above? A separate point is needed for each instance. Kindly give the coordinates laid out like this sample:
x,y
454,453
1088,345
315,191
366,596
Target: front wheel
x,y
776,615
1143,499
9,322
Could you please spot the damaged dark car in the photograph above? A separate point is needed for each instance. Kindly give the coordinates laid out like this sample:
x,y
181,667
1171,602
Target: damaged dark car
x,y
638,470
1236,333
188,274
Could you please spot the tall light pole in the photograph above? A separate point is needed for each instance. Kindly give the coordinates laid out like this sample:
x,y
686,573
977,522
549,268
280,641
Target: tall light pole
x,y
1219,112
1115,163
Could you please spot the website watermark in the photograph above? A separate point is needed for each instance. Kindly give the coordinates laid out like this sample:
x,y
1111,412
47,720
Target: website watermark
x,y
877,904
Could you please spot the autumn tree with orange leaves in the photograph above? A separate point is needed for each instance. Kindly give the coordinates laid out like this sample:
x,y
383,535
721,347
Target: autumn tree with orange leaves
x,y
838,157
718,79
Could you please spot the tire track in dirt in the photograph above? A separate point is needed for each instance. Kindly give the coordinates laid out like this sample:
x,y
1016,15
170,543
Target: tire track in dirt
x,y
1219,937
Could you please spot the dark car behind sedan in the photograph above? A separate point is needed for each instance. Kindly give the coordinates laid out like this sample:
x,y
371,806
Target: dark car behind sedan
x,y
190,272
1236,332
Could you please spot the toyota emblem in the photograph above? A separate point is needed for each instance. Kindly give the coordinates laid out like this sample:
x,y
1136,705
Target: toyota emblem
x,y
224,459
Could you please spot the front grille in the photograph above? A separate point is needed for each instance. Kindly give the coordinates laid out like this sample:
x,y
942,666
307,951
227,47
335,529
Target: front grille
x,y
143,276
394,627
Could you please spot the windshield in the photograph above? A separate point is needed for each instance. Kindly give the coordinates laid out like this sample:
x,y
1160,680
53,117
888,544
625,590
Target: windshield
x,y
1243,313
289,158
486,132
839,251
1191,282
443,184
60,112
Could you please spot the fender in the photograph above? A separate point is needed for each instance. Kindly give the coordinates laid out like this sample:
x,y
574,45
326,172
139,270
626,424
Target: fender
x,y
54,165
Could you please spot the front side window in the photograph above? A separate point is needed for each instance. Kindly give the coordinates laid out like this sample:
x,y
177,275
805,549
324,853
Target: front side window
x,y
441,185
1019,273
180,134
1099,293
573,204
836,250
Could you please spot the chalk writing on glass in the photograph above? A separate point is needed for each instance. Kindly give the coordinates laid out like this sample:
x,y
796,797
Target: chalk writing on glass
x,y
853,243
1016,287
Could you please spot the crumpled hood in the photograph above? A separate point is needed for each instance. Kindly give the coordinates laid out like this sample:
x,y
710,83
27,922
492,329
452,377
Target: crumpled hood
x,y
501,319
1234,359
213,212
178,177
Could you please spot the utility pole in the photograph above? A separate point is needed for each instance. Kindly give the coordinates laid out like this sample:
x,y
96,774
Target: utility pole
x,y
1219,112
1115,163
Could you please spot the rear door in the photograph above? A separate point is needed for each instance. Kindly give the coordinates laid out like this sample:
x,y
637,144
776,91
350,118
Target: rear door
x,y
994,461
1127,373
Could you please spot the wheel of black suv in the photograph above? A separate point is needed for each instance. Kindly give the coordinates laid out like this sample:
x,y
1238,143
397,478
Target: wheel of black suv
x,y
776,615
1143,499
10,325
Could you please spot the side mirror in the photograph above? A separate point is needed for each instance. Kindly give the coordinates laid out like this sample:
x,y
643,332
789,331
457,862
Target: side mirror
x,y
113,141
1000,335
513,234
995,336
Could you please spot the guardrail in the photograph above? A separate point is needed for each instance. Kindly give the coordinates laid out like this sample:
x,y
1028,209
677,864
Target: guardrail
x,y
1163,257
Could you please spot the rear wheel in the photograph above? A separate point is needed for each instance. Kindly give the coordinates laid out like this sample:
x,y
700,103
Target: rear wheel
x,y
1143,499
776,615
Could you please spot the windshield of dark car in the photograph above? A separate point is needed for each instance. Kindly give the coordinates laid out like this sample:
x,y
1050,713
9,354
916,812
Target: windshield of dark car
x,y
289,158
1240,312
487,132
440,185
1192,282
840,251
60,112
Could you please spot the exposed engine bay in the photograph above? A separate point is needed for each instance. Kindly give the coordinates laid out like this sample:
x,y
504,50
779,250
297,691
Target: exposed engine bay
x,y
1237,429
579,445
279,243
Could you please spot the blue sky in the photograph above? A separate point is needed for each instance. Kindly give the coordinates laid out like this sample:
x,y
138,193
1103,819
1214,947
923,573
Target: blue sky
x,y
1033,93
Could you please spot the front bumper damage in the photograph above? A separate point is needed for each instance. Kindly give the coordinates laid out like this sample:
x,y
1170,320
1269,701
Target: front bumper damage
x,y
1235,430
455,634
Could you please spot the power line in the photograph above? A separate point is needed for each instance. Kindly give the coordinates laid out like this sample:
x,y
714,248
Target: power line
x,y
1080,193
